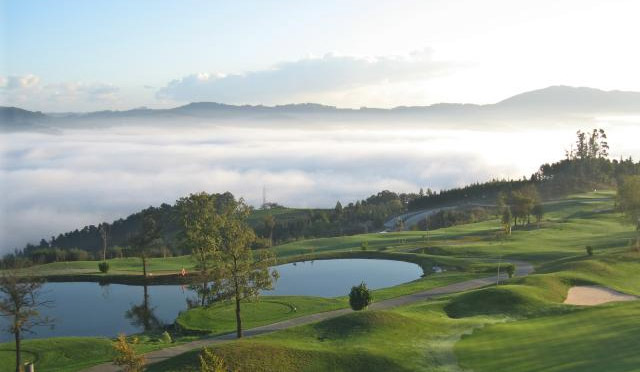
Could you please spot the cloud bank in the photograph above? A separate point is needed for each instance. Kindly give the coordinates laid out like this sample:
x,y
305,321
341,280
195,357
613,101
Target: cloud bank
x,y
31,92
290,80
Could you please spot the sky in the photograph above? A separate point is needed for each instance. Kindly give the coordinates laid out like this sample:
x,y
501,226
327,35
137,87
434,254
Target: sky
x,y
60,56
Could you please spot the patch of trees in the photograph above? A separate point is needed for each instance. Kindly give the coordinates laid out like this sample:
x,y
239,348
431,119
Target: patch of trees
x,y
518,206
586,167
363,216
628,202
453,217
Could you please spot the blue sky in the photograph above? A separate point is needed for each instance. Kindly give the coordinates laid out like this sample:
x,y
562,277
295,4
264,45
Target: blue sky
x,y
119,54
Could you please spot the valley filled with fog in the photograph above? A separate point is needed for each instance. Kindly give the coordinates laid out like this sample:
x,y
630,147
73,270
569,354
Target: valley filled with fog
x,y
78,175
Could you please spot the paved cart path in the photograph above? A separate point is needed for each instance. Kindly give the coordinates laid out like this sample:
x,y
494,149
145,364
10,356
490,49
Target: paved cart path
x,y
522,269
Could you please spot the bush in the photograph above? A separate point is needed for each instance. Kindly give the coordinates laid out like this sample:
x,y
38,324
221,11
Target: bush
x,y
210,362
126,356
511,270
360,297
166,337
364,245
103,267
589,250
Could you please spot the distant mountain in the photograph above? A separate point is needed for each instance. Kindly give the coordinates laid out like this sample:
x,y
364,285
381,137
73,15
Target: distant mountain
x,y
576,100
17,119
556,102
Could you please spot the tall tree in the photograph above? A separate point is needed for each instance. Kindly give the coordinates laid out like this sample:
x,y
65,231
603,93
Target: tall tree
x,y
506,220
104,228
147,238
20,301
201,224
538,212
269,224
628,201
239,275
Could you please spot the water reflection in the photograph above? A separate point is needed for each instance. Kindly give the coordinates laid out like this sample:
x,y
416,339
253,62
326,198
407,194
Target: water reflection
x,y
143,316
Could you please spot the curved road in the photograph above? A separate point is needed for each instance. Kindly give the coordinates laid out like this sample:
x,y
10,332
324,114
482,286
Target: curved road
x,y
522,269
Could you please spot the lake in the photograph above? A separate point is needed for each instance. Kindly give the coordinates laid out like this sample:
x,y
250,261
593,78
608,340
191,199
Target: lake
x,y
90,309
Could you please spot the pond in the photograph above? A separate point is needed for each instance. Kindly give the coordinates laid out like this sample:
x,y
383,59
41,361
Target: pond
x,y
90,309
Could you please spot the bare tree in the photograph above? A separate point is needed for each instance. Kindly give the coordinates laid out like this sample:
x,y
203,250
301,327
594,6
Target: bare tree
x,y
20,299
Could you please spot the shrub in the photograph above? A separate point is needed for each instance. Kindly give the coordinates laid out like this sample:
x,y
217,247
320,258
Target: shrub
x,y
103,267
126,356
166,337
210,362
511,270
589,250
364,245
360,297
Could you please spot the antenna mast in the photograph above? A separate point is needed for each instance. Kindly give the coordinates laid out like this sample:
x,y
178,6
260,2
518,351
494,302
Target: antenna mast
x,y
264,197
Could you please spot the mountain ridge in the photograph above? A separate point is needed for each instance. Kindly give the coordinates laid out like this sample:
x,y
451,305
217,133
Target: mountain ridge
x,y
554,100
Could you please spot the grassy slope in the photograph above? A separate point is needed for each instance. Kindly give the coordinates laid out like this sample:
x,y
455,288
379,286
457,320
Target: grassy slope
x,y
60,354
602,338
69,354
421,336
406,339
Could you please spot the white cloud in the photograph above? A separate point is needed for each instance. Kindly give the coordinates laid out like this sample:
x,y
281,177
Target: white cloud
x,y
30,92
287,81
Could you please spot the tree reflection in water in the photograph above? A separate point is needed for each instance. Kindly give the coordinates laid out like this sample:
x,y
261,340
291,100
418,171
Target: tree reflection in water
x,y
142,315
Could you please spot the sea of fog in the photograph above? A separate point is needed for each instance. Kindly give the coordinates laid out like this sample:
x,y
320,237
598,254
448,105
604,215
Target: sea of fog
x,y
52,183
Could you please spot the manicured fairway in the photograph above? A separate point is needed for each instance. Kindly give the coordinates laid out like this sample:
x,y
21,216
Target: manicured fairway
x,y
603,338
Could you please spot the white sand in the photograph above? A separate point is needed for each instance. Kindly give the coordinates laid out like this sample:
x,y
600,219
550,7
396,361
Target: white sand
x,y
590,295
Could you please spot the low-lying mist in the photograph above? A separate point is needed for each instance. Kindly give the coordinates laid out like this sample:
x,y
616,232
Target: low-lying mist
x,y
52,183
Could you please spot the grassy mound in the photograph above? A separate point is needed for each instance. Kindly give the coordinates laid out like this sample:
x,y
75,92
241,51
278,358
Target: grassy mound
x,y
602,338
536,295
263,357
359,324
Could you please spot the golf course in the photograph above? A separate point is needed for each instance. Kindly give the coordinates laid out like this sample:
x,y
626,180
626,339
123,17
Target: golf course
x,y
520,324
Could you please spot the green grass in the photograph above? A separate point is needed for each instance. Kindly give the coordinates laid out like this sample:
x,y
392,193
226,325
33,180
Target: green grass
x,y
68,354
58,354
220,318
603,338
130,265
519,326
407,339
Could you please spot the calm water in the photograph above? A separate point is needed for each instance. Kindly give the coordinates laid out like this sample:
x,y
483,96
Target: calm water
x,y
88,309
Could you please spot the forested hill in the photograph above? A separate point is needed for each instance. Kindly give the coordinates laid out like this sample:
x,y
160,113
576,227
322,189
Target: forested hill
x,y
586,168
272,223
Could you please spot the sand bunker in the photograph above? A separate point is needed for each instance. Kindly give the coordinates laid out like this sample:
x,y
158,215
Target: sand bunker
x,y
590,295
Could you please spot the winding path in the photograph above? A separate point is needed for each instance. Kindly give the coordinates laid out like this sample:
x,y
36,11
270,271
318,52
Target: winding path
x,y
522,269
